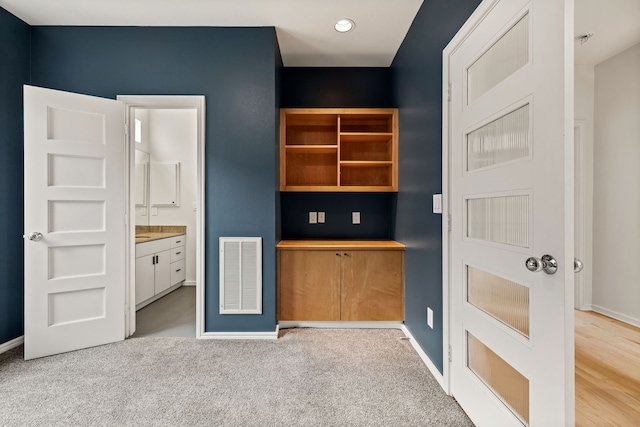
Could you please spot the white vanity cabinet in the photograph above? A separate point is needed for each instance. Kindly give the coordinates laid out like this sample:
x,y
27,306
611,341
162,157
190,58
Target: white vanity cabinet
x,y
159,268
178,273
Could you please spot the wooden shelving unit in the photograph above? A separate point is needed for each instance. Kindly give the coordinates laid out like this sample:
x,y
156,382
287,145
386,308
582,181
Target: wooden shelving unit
x,y
339,150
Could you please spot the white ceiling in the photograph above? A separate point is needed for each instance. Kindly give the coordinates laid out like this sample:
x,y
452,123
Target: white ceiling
x,y
614,23
304,27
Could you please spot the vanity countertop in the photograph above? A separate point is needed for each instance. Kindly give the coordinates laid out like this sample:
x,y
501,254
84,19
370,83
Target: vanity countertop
x,y
147,233
148,237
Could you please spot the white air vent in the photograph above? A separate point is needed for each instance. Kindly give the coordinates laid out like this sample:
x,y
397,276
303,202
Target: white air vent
x,y
240,275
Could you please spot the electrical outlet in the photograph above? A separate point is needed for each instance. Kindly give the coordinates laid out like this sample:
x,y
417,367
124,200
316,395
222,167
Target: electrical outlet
x,y
429,317
320,217
154,211
355,217
313,217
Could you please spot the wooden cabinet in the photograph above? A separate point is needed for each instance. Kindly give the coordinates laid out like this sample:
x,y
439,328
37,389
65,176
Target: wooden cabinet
x,y
340,280
309,285
159,267
372,285
339,150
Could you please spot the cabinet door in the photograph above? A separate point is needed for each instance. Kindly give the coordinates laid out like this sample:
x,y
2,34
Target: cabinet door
x,y
309,285
163,271
144,278
372,285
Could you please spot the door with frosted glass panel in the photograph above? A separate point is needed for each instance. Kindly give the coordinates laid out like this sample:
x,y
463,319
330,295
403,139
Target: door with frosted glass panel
x,y
511,333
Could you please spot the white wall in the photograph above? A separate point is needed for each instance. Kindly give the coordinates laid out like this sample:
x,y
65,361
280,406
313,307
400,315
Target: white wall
x,y
616,213
584,118
173,138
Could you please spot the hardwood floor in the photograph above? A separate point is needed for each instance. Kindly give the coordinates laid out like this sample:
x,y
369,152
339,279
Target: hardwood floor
x,y
607,371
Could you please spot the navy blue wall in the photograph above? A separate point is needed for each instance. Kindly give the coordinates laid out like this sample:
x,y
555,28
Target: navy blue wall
x,y
417,76
235,69
349,87
337,87
279,67
14,72
376,215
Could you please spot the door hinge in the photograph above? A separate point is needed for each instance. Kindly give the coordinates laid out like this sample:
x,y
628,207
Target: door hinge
x,y
449,92
450,354
449,222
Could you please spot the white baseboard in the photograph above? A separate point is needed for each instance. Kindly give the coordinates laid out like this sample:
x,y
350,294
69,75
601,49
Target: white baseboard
x,y
286,324
618,316
189,283
11,344
427,361
241,335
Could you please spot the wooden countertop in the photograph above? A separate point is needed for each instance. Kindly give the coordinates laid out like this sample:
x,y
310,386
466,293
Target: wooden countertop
x,y
148,237
340,244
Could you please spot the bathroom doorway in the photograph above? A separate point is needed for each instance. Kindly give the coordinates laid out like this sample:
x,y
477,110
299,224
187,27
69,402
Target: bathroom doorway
x,y
166,206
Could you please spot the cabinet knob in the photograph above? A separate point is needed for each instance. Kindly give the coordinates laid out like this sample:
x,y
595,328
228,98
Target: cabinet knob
x,y
345,254
337,254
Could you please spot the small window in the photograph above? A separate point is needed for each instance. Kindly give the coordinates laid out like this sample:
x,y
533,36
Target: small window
x,y
138,132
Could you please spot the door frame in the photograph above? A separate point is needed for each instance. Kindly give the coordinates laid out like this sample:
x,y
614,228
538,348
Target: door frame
x,y
474,20
132,102
584,213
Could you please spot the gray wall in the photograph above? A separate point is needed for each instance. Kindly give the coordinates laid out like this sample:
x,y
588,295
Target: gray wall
x,y
616,179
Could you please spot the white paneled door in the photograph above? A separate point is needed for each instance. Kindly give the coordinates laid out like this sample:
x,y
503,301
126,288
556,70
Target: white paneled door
x,y
74,221
511,202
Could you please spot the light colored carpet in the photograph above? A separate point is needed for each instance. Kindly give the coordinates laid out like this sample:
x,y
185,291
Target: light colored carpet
x,y
308,377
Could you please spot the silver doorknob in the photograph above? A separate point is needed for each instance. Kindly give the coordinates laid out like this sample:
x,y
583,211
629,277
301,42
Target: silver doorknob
x,y
547,263
35,236
577,265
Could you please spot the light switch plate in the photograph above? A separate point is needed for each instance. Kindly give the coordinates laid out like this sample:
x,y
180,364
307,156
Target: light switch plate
x,y
437,203
320,217
313,217
430,317
355,217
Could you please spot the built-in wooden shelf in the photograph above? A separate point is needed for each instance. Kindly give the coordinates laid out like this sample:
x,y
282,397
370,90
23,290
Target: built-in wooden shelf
x,y
318,149
339,150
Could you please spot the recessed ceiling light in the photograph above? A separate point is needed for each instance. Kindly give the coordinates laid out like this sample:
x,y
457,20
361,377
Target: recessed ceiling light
x,y
344,25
